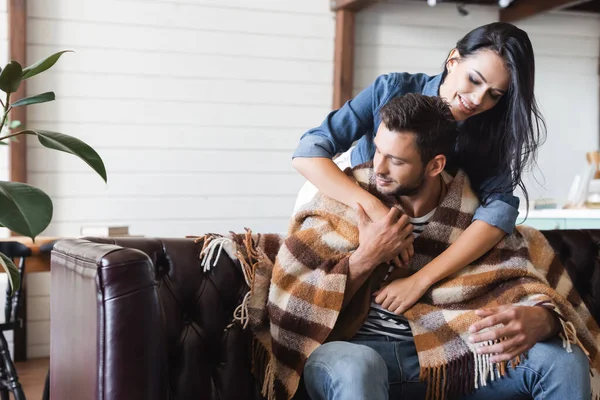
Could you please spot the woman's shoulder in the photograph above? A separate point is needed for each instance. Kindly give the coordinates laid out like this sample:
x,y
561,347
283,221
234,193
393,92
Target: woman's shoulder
x,y
396,84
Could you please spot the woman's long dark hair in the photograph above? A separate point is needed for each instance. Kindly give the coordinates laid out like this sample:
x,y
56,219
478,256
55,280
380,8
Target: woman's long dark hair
x,y
504,139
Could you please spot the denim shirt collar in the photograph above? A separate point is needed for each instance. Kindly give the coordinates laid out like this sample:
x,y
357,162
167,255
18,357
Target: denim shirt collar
x,y
432,87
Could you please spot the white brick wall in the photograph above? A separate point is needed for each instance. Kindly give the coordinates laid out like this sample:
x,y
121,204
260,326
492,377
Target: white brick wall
x,y
195,107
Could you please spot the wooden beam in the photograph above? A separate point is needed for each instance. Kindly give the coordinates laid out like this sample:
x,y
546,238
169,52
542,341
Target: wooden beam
x,y
352,5
17,42
343,59
522,9
590,6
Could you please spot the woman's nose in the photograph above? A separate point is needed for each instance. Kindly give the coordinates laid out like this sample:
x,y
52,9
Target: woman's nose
x,y
476,98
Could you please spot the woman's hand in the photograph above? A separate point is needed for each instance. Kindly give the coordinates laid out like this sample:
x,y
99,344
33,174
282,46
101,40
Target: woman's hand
x,y
376,211
401,294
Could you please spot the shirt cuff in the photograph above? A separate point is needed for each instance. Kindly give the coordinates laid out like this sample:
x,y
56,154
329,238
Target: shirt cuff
x,y
499,214
312,146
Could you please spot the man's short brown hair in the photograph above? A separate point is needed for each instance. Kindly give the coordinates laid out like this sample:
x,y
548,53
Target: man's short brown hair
x,y
428,118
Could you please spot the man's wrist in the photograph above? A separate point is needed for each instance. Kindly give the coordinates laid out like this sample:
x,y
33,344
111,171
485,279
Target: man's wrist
x,y
361,262
553,323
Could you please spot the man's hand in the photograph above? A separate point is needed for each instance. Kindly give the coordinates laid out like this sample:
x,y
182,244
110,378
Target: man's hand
x,y
522,328
377,211
383,240
401,294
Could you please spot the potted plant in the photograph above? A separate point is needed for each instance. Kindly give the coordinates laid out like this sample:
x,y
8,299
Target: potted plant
x,y
26,209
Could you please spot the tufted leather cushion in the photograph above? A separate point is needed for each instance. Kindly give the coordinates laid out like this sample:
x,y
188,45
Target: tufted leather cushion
x,y
578,250
203,359
138,319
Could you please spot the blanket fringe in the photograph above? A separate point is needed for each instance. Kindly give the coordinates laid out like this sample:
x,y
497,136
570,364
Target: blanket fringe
x,y
262,369
448,381
212,248
569,337
464,375
249,255
212,243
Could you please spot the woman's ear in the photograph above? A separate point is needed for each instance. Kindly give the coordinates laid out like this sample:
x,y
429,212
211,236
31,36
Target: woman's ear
x,y
452,59
436,165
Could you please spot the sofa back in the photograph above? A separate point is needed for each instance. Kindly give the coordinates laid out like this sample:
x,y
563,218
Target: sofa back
x,y
137,318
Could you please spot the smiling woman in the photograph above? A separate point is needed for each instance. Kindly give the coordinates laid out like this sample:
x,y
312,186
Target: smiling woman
x,y
488,82
476,83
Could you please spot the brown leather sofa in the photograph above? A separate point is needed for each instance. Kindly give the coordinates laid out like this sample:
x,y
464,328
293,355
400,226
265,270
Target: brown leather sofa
x,y
138,319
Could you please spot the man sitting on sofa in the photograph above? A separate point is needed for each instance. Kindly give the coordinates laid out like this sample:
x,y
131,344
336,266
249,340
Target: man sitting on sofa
x,y
381,362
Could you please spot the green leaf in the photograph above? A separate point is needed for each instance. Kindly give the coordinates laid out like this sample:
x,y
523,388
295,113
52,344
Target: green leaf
x,y
14,279
71,145
15,124
43,65
40,98
2,143
10,77
24,209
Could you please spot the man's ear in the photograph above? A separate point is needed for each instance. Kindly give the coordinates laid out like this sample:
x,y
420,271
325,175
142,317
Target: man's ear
x,y
436,165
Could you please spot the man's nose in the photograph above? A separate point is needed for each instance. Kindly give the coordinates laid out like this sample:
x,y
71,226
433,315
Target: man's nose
x,y
379,166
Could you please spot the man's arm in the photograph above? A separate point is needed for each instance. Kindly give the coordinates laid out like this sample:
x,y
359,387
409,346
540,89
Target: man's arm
x,y
379,242
359,270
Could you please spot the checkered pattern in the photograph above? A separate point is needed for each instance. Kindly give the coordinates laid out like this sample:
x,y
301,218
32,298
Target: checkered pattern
x,y
297,286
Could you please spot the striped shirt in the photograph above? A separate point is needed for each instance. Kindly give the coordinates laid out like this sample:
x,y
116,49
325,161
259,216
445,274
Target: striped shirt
x,y
383,322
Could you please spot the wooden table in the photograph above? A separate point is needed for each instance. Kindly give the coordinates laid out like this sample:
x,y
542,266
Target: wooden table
x,y
38,262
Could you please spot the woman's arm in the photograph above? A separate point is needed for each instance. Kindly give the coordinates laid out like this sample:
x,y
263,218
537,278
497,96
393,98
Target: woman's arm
x,y
336,134
474,242
495,218
491,222
331,181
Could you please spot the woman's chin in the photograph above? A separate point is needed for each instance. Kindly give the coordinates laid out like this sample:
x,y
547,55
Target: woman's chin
x,y
457,113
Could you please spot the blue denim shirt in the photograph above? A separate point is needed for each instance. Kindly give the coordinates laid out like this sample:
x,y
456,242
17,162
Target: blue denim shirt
x,y
359,119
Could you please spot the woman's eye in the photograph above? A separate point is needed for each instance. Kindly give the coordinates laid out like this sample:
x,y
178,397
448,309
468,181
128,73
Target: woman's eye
x,y
495,97
473,81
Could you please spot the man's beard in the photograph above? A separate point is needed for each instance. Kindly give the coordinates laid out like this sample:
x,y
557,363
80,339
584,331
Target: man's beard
x,y
405,190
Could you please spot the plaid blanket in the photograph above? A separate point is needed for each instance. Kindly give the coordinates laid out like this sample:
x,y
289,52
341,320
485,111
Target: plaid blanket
x,y
297,285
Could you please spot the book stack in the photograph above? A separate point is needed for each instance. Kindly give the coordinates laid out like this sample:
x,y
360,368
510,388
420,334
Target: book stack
x,y
105,231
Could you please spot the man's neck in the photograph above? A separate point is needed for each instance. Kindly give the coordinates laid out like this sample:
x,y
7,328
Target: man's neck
x,y
426,200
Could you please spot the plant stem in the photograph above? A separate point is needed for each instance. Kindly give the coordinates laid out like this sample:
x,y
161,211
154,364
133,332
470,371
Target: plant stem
x,y
6,110
11,135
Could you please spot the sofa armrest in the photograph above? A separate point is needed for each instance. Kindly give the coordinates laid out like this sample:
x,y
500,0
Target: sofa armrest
x,y
105,311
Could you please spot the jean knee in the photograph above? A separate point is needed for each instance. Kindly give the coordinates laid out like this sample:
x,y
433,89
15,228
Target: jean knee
x,y
575,363
343,361
555,359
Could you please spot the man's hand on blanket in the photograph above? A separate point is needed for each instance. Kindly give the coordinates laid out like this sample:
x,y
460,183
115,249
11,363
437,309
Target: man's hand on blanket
x,y
401,294
377,211
381,241
520,328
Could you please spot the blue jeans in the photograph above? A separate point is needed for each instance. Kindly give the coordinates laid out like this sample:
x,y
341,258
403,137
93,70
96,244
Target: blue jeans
x,y
379,368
